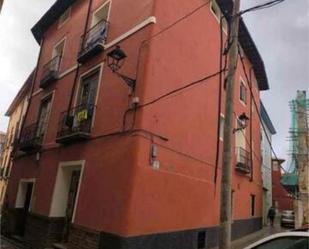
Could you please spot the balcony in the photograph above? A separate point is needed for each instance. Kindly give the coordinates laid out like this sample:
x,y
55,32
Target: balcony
x,y
30,139
92,43
243,162
76,124
50,72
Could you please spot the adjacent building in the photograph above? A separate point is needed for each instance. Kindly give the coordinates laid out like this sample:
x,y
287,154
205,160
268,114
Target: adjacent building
x,y
2,149
267,131
16,113
282,200
116,150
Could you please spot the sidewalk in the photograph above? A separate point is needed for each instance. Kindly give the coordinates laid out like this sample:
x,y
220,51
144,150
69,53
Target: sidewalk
x,y
251,238
247,240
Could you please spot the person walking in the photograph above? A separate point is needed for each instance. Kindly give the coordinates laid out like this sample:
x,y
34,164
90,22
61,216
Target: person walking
x,y
271,215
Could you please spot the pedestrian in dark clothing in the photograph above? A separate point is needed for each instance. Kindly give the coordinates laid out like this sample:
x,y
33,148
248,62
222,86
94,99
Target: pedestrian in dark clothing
x,y
271,215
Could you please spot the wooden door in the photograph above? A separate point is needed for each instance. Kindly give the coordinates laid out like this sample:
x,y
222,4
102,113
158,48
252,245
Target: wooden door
x,y
71,202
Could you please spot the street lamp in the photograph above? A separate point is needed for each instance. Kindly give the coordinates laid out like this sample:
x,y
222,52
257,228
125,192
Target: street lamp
x,y
242,122
115,60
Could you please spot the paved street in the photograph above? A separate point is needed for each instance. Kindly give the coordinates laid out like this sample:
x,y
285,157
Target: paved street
x,y
266,231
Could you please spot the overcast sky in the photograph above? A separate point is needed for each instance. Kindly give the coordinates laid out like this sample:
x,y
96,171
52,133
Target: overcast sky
x,y
281,35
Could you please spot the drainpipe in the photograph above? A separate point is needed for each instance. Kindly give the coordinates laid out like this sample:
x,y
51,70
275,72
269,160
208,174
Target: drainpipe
x,y
251,123
78,65
32,89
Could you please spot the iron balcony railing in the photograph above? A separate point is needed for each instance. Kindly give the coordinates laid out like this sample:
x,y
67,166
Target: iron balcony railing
x,y
50,71
31,137
75,124
92,42
243,160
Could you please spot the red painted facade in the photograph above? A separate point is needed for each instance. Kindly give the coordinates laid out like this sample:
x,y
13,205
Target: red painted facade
x,y
281,198
120,192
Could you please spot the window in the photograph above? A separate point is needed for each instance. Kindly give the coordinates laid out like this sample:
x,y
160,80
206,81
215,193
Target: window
x,y
215,9
252,197
88,88
64,17
43,117
58,49
221,132
243,92
101,14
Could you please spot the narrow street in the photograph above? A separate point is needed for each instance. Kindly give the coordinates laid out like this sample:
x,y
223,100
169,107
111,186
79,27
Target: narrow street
x,y
266,231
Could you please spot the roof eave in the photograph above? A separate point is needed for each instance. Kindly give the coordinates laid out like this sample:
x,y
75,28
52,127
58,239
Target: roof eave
x,y
50,17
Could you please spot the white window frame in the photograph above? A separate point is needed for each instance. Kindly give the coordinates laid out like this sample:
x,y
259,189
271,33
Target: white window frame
x,y
221,136
214,5
63,40
62,22
100,8
242,82
98,67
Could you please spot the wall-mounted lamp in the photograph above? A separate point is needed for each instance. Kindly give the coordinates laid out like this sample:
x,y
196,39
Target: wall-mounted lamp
x,y
242,122
115,60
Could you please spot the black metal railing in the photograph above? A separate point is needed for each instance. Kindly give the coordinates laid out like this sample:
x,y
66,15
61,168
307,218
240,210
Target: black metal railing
x,y
76,123
31,137
50,71
243,160
92,41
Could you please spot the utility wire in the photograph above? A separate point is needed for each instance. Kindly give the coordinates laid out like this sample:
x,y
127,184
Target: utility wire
x,y
179,20
191,84
257,110
261,6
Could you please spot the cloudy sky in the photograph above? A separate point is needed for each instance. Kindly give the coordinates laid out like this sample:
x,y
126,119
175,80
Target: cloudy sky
x,y
281,34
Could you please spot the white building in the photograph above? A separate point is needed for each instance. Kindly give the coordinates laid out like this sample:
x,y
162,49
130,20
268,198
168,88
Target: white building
x,y
266,153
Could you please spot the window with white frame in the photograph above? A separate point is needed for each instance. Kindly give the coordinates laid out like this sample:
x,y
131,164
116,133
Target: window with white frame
x,y
215,9
64,17
243,92
101,14
221,131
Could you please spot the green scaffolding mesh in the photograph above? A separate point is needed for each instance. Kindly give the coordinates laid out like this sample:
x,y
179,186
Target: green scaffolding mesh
x,y
290,179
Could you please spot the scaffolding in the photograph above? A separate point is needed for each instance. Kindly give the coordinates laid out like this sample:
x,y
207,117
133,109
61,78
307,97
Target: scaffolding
x,y
296,181
298,139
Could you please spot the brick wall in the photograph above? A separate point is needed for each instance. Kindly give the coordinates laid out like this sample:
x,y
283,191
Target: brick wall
x,y
83,238
42,232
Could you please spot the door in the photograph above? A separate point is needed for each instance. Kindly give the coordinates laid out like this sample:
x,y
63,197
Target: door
x,y
88,89
86,102
43,118
26,207
71,202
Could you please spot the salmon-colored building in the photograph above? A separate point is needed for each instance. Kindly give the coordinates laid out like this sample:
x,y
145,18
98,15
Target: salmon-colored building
x,y
282,200
119,145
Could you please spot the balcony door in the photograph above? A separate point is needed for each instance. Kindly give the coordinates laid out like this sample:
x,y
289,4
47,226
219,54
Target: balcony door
x,y
88,89
102,14
85,105
43,117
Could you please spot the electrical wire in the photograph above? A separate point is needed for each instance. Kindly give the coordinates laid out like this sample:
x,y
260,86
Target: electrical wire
x,y
191,84
178,20
258,111
261,6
